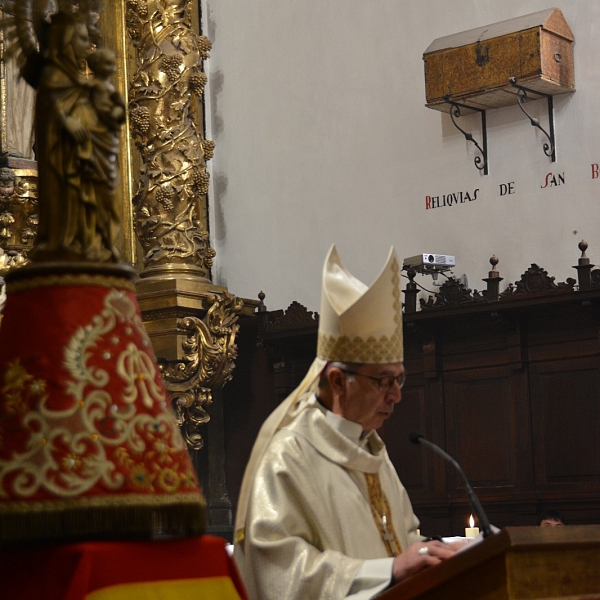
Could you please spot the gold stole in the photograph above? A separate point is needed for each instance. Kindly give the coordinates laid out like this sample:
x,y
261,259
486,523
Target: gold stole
x,y
381,513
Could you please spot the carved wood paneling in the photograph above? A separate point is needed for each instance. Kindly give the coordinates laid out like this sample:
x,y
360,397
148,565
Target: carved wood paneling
x,y
473,342
486,424
566,425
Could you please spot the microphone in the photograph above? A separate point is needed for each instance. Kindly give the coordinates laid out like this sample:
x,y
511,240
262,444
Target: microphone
x,y
417,438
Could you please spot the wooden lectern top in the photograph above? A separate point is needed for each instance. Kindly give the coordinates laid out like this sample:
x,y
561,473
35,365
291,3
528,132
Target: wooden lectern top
x,y
517,563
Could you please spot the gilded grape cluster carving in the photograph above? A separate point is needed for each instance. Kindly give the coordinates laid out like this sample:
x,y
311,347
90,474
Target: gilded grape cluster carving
x,y
170,201
18,217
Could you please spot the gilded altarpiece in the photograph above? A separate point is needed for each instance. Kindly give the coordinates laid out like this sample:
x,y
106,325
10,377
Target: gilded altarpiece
x,y
164,184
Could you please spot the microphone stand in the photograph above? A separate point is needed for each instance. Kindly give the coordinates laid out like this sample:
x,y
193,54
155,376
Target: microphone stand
x,y
417,438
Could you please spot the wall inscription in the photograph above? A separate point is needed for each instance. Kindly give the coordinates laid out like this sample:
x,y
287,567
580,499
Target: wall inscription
x,y
553,180
549,180
507,188
451,199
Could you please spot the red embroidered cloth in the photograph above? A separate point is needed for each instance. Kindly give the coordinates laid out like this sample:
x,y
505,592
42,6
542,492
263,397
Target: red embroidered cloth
x,y
89,446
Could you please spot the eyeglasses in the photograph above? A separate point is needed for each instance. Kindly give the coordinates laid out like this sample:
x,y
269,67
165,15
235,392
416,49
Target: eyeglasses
x,y
384,383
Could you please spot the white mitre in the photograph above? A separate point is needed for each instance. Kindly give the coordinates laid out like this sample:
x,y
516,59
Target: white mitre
x,y
356,324
359,323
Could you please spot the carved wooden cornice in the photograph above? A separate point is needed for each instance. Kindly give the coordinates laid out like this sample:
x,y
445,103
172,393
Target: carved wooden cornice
x,y
295,318
193,329
452,293
536,280
288,337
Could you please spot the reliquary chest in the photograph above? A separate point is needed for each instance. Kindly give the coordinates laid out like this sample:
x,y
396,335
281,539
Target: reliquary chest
x,y
475,67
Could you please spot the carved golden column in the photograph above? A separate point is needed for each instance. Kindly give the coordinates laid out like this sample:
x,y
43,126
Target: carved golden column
x,y
165,112
192,322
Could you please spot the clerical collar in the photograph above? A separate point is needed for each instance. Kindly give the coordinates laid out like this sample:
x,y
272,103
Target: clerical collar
x,y
350,429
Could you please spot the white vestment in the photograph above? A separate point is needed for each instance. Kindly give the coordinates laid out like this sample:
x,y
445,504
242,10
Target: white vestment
x,y
309,530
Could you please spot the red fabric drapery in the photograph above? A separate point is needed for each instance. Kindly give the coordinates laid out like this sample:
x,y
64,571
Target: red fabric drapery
x,y
197,567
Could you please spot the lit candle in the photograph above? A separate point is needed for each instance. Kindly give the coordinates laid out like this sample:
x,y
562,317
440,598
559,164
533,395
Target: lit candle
x,y
471,531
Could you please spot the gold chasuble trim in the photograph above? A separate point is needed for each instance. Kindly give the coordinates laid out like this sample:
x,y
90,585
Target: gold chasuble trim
x,y
380,508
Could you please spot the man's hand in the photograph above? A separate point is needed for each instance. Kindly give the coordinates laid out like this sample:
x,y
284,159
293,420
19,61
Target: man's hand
x,y
412,561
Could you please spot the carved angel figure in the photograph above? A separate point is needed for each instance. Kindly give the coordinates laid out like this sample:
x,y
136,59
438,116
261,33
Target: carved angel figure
x,y
76,136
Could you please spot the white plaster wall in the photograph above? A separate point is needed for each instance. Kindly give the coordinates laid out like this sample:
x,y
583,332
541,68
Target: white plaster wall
x,y
317,111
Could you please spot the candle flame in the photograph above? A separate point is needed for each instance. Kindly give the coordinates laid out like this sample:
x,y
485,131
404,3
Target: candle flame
x,y
471,521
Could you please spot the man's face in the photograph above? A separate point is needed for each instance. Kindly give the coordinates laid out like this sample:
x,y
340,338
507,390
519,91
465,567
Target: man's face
x,y
363,402
551,523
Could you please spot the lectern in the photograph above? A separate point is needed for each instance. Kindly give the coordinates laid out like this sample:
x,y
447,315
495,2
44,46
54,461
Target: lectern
x,y
517,563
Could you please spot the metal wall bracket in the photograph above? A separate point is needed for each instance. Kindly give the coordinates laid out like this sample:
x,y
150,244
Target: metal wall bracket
x,y
481,162
522,97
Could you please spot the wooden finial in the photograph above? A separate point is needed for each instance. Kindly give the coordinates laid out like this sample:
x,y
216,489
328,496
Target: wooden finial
x,y
494,261
493,280
583,246
410,293
584,268
261,306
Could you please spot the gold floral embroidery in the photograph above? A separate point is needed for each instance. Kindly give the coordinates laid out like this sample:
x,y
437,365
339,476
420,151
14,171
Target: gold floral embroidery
x,y
20,388
168,480
140,477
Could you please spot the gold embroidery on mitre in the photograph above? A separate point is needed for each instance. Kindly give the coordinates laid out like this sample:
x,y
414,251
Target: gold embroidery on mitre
x,y
371,350
396,294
